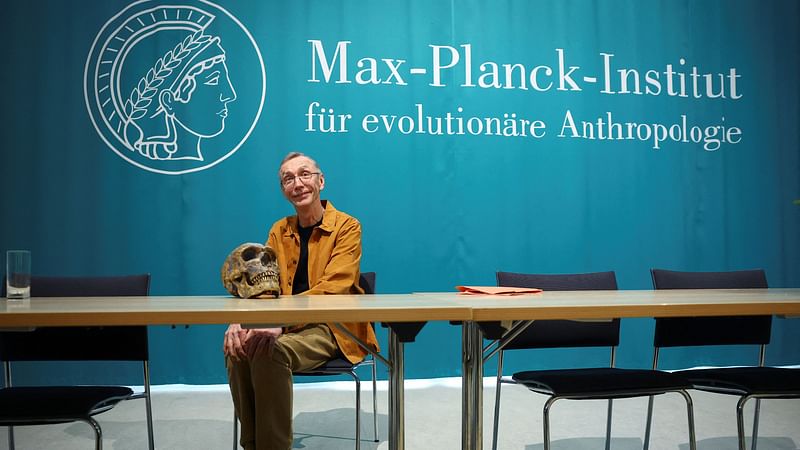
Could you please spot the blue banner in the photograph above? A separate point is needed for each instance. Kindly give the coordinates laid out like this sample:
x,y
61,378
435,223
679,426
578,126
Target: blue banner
x,y
466,136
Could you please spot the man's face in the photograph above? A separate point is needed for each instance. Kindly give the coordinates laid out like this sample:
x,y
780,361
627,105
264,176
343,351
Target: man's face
x,y
300,192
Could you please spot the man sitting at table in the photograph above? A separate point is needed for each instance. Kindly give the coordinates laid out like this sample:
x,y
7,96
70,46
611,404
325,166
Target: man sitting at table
x,y
319,252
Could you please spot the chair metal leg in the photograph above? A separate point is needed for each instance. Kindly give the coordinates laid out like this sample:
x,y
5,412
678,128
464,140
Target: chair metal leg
x,y
689,413
610,411
98,433
546,422
148,407
740,421
690,416
375,400
608,423
7,383
496,422
755,424
648,423
358,410
762,358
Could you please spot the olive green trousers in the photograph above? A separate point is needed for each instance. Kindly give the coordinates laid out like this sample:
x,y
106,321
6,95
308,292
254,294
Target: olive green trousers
x,y
261,387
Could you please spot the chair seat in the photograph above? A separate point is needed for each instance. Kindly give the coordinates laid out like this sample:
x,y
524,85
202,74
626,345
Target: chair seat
x,y
56,404
338,365
601,382
746,380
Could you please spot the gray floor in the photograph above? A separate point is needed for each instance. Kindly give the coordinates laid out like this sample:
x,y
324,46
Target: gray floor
x,y
200,418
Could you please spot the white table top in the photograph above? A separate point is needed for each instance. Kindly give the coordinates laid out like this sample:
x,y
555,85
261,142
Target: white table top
x,y
155,310
629,303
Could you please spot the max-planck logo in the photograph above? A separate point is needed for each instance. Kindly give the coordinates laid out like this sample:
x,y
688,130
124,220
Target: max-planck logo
x,y
174,88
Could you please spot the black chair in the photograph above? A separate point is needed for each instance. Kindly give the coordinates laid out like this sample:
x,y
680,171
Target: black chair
x,y
746,382
341,366
40,405
582,383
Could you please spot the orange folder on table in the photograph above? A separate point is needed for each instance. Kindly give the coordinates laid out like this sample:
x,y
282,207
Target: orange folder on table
x,y
496,290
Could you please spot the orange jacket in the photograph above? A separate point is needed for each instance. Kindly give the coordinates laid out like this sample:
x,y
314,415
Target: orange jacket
x,y
334,256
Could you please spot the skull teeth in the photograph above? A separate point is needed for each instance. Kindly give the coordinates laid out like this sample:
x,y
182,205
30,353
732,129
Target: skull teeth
x,y
262,277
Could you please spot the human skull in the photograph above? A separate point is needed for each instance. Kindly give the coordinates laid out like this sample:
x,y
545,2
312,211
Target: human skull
x,y
251,270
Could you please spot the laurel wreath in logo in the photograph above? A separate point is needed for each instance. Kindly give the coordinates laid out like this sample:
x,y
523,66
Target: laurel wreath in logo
x,y
142,95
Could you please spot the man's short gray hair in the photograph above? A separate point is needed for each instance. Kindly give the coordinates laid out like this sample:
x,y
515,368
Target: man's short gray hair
x,y
293,155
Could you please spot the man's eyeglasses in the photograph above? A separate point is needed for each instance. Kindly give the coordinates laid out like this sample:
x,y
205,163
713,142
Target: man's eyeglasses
x,y
305,177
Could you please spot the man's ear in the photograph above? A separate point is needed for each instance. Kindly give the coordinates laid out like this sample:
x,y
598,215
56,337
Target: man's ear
x,y
166,98
321,181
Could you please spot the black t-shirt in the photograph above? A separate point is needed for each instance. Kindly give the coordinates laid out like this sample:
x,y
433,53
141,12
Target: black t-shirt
x,y
301,273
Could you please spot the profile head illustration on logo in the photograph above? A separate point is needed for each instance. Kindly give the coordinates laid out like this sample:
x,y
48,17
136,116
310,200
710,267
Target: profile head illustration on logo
x,y
161,82
160,123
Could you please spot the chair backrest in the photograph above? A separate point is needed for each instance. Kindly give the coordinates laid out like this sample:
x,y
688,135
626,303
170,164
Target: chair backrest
x,y
564,333
116,343
367,282
695,331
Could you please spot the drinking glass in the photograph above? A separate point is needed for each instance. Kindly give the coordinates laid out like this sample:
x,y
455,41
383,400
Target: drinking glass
x,y
18,274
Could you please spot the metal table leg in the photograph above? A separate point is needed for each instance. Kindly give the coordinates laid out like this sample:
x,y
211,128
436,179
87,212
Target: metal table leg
x,y
396,401
472,387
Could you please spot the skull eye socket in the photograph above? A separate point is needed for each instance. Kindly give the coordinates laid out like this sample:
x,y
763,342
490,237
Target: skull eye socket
x,y
250,253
